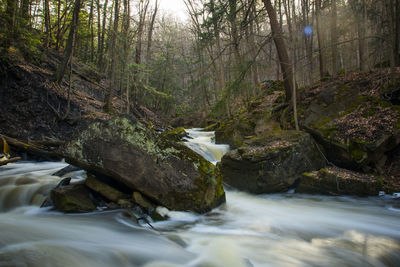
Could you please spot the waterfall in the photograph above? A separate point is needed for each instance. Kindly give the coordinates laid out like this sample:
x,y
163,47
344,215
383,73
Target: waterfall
x,y
204,144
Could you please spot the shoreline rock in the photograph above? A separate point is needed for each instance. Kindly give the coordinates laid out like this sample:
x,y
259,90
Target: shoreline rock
x,y
166,172
337,181
271,163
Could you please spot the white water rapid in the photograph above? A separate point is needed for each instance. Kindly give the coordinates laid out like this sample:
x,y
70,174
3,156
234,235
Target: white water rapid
x,y
249,230
203,143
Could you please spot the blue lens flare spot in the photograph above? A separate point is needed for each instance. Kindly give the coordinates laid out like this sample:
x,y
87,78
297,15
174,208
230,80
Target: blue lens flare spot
x,y
308,30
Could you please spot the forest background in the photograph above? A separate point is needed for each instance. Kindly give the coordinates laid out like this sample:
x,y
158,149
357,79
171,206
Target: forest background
x,y
221,57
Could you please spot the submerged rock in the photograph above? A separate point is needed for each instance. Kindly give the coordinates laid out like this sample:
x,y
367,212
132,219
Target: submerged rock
x,y
166,172
271,163
72,198
337,181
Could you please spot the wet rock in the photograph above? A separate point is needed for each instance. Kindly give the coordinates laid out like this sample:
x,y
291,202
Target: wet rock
x,y
166,172
142,201
104,189
176,134
48,202
72,198
271,163
337,181
233,132
65,170
125,203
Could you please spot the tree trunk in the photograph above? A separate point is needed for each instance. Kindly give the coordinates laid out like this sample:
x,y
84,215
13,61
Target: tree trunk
x,y
125,31
361,36
334,37
47,25
234,31
10,14
138,48
70,43
397,35
281,49
150,33
108,104
91,18
101,41
58,41
321,41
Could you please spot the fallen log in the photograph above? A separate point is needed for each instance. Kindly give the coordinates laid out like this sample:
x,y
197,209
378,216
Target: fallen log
x,y
12,160
31,148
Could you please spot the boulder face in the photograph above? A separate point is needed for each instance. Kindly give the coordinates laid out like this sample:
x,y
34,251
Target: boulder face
x,y
271,163
356,128
168,173
336,181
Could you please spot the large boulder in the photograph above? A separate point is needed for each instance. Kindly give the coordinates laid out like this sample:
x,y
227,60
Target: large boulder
x,y
355,126
271,163
337,181
166,172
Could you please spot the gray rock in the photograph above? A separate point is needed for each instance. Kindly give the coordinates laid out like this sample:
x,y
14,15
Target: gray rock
x,y
337,181
166,172
271,163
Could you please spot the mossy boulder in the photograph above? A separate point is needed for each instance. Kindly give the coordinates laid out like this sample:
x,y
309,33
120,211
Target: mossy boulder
x,y
72,199
256,119
355,129
337,181
166,172
234,131
176,134
272,162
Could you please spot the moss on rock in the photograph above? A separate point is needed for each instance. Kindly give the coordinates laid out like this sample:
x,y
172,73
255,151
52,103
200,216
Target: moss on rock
x,y
165,171
337,181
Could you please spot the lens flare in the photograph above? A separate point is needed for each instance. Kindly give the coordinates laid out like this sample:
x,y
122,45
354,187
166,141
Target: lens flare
x,y
308,30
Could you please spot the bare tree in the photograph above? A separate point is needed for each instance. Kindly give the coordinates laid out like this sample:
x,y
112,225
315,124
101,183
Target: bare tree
x,y
281,49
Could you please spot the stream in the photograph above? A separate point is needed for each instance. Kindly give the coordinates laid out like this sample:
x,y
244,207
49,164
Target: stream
x,y
249,230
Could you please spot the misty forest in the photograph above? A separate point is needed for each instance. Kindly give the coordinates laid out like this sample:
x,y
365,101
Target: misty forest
x,y
200,133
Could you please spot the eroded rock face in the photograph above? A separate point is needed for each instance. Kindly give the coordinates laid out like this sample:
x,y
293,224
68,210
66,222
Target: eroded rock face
x,y
337,181
271,163
355,128
166,172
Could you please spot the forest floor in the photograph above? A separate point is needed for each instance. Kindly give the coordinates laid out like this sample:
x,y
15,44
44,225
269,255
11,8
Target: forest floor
x,y
33,107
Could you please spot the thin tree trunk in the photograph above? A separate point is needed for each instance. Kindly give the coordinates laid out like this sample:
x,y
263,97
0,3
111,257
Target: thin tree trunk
x,y
91,18
397,35
58,41
125,29
321,41
150,33
334,38
47,25
70,43
361,37
281,49
108,104
252,43
10,13
234,31
103,31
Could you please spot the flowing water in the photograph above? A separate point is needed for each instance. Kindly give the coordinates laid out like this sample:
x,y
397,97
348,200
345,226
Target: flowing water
x,y
249,230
